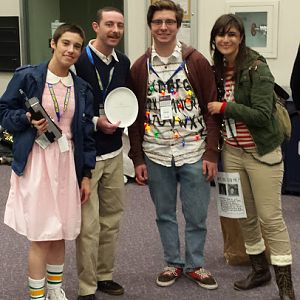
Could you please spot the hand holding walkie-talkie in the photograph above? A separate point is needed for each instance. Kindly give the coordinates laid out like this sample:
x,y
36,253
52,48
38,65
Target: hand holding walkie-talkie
x,y
38,112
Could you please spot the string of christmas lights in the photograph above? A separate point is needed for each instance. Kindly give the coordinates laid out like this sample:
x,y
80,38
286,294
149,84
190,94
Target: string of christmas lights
x,y
188,100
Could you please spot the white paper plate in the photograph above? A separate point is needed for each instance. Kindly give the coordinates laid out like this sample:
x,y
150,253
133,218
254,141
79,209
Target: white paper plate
x,y
121,105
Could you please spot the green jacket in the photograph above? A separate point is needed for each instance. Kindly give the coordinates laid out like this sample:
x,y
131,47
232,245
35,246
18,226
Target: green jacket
x,y
255,104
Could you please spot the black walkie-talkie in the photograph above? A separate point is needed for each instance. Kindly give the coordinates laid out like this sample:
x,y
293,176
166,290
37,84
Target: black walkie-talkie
x,y
38,112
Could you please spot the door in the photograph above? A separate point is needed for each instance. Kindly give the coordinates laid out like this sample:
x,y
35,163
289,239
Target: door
x,y
83,13
37,33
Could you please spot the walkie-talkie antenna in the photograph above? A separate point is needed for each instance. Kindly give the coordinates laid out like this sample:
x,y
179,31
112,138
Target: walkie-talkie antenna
x,y
23,93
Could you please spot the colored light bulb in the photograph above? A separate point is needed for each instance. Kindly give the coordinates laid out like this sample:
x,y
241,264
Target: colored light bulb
x,y
147,128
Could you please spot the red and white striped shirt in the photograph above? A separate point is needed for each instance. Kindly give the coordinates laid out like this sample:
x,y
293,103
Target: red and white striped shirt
x,y
243,137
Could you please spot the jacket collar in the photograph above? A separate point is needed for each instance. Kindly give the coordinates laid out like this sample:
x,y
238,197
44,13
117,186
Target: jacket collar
x,y
252,56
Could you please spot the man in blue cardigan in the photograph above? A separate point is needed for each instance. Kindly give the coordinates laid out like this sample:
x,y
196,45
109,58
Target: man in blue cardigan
x,y
105,69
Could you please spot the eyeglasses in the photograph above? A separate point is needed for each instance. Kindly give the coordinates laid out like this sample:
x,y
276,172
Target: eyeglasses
x,y
168,22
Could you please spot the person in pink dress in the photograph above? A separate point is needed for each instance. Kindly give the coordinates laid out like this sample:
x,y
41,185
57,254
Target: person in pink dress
x,y
51,176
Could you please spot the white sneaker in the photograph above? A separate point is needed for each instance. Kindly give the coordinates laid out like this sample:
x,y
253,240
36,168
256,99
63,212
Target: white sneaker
x,y
56,294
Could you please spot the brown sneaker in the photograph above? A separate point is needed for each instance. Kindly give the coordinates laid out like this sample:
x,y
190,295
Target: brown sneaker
x,y
168,276
203,278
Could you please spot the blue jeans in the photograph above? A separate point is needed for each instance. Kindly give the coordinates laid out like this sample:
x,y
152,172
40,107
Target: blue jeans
x,y
194,195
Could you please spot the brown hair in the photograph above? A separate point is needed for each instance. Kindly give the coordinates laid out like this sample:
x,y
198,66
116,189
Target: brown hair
x,y
221,27
165,5
106,9
68,28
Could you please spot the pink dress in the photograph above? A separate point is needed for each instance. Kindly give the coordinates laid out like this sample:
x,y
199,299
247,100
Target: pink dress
x,y
44,203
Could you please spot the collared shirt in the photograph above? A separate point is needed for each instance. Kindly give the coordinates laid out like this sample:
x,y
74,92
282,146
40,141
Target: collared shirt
x,y
180,139
65,92
175,57
53,79
107,60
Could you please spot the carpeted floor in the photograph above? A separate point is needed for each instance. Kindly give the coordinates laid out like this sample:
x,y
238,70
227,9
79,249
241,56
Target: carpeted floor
x,y
140,255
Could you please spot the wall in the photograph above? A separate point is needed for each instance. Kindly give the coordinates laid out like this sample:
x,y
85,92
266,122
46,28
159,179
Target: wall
x,y
288,34
208,12
85,13
288,40
8,8
39,28
136,30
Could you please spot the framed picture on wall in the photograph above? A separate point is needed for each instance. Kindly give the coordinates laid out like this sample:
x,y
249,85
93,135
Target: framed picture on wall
x,y
261,24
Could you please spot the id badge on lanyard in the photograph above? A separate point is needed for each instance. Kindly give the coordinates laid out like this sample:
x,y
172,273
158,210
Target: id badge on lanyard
x,y
230,123
165,106
165,100
230,128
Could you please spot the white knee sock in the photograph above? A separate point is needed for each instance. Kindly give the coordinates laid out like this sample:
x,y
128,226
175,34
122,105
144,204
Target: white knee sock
x,y
36,288
54,276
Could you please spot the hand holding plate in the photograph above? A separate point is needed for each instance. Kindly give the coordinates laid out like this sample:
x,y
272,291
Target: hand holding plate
x,y
121,107
105,126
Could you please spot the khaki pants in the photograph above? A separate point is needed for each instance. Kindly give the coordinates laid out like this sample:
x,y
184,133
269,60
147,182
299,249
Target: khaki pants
x,y
261,186
96,244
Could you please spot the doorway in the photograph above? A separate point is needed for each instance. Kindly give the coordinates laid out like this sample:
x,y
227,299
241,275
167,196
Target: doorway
x,y
39,14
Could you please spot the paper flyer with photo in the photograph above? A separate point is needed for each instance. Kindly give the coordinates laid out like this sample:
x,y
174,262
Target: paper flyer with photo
x,y
230,200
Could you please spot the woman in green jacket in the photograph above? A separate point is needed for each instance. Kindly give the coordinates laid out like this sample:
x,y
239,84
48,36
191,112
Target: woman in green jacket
x,y
252,148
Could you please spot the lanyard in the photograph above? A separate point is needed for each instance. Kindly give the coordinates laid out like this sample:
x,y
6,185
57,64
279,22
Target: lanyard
x,y
55,102
179,68
111,72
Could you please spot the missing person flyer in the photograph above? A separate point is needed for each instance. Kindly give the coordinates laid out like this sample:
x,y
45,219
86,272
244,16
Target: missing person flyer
x,y
230,200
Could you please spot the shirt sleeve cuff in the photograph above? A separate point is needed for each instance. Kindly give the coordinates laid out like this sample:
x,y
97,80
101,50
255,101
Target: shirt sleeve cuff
x,y
87,173
95,120
222,110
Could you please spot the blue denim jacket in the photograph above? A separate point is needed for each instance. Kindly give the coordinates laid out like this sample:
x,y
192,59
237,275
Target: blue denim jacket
x,y
31,79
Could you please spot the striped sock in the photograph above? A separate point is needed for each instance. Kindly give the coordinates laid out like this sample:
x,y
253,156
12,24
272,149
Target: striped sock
x,y
36,288
54,276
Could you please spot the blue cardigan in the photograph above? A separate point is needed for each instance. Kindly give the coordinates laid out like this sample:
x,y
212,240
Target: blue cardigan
x,y
31,79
